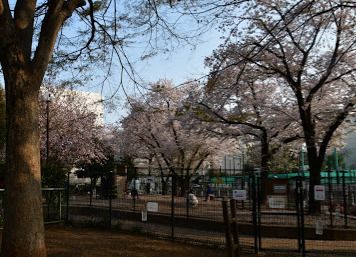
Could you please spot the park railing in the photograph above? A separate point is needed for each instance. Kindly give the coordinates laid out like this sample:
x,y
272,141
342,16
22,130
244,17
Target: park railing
x,y
54,205
54,202
272,213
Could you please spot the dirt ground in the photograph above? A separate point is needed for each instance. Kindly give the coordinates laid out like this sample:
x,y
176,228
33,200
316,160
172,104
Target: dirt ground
x,y
85,242
65,241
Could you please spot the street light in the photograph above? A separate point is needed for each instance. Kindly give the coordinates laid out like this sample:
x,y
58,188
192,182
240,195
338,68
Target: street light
x,y
302,157
48,98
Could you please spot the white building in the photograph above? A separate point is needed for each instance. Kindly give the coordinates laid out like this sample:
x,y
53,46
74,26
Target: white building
x,y
350,144
90,101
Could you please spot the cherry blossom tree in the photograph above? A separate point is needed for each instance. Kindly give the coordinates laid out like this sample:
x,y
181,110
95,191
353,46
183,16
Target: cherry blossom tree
x,y
160,126
249,107
308,48
76,133
133,147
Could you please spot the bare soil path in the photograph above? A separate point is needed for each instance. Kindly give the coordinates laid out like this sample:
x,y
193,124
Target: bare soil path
x,y
65,241
85,242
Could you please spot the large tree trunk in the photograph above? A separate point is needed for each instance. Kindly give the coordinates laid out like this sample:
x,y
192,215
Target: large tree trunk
x,y
23,71
164,187
175,182
164,182
314,179
265,158
315,163
24,229
184,185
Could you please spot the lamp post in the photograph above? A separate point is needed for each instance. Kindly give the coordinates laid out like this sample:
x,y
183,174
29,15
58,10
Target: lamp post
x,y
48,98
336,165
243,150
233,164
302,158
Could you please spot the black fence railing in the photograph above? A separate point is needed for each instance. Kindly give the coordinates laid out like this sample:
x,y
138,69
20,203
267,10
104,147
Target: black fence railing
x,y
272,213
54,205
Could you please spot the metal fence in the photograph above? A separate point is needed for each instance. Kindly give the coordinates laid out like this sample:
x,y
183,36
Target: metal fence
x,y
272,213
54,205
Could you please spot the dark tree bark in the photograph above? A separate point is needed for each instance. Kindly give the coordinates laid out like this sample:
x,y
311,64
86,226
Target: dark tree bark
x,y
23,229
265,158
184,184
23,74
316,155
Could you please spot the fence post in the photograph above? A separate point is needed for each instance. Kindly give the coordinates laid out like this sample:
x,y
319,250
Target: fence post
x,y
296,195
353,186
336,165
60,204
48,198
187,205
172,206
344,193
187,200
330,188
234,229
134,193
67,199
229,245
250,190
91,194
301,202
258,184
254,213
300,214
243,188
110,207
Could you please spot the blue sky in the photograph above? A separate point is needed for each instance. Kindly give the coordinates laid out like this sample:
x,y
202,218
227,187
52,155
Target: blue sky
x,y
179,66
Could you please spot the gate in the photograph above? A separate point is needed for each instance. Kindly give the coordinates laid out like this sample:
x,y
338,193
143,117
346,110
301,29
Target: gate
x,y
278,214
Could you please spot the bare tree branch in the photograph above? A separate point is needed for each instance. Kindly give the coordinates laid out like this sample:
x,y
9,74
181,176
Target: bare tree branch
x,y
334,125
6,25
58,12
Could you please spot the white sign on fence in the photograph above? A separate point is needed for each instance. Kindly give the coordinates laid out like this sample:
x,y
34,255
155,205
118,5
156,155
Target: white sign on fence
x,y
319,193
239,195
144,215
319,227
279,189
277,202
152,206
